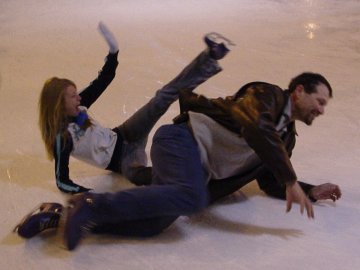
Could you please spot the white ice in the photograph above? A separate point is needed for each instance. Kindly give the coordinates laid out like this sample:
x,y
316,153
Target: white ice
x,y
276,40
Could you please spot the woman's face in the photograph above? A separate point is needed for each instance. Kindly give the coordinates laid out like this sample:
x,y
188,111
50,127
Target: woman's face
x,y
72,101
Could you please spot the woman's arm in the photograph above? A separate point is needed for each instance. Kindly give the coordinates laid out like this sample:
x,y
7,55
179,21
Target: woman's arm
x,y
62,156
91,93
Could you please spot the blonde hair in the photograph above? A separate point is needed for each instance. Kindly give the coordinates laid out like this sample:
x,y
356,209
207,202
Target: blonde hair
x,y
52,117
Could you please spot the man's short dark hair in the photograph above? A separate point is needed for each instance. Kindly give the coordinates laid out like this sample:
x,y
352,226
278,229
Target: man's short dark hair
x,y
309,80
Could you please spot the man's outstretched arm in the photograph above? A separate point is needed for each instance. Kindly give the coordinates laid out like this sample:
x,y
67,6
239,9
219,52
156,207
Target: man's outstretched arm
x,y
271,187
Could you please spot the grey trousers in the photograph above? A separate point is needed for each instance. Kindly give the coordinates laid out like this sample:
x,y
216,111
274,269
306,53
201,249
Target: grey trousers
x,y
135,130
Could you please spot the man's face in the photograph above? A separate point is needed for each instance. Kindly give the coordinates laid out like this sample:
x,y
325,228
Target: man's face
x,y
309,106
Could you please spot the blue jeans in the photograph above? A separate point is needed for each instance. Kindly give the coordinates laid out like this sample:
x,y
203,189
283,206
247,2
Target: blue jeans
x,y
178,188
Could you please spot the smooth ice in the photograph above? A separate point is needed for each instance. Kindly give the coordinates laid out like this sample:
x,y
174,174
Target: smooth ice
x,y
275,40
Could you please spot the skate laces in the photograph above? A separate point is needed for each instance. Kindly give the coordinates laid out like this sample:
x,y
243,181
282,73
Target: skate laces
x,y
49,223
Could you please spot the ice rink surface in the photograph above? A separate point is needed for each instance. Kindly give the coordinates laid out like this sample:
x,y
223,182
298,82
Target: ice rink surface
x,y
276,40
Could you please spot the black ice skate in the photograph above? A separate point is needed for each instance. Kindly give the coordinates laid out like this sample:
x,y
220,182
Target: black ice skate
x,y
218,45
46,216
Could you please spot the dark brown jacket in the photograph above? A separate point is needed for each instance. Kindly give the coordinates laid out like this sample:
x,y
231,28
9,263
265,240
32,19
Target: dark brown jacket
x,y
253,113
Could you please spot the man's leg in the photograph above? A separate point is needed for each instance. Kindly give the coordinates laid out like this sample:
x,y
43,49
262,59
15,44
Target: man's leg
x,y
179,189
137,228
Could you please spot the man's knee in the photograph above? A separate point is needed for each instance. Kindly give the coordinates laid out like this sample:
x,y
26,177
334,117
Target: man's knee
x,y
196,200
140,176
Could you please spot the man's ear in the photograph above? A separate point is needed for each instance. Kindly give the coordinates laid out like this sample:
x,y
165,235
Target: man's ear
x,y
299,88
299,91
